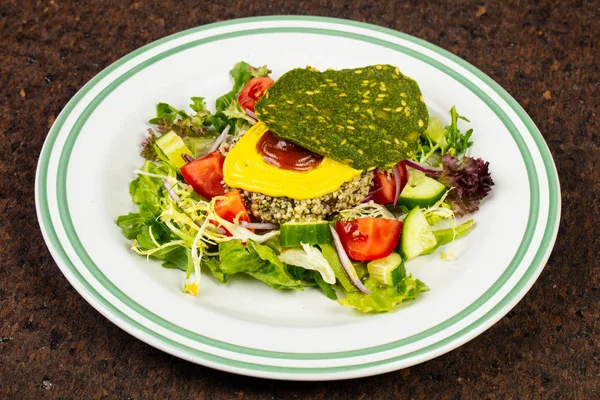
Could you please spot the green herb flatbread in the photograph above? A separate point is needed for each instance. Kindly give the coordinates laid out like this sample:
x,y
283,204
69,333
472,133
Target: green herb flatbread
x,y
365,117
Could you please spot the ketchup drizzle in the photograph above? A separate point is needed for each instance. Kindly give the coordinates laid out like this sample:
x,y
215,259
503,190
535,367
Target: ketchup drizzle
x,y
286,155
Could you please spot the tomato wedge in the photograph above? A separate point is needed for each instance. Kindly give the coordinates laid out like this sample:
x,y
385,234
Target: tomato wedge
x,y
205,175
253,91
385,185
231,207
366,239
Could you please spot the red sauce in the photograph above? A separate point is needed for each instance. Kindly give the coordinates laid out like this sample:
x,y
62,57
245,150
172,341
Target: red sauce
x,y
286,155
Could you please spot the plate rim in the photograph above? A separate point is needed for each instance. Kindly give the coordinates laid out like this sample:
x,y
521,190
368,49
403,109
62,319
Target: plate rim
x,y
553,184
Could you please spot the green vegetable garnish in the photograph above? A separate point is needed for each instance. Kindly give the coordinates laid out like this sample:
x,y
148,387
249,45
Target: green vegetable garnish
x,y
438,140
457,141
257,260
384,298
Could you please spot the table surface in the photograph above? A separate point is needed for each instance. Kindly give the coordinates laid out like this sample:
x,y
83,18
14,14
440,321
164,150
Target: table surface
x,y
53,344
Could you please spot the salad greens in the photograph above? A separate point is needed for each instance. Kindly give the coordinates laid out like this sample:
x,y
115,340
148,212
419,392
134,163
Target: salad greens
x,y
438,139
184,231
384,298
470,179
199,127
259,261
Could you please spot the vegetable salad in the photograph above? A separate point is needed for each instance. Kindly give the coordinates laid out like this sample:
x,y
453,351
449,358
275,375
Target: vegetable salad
x,y
216,194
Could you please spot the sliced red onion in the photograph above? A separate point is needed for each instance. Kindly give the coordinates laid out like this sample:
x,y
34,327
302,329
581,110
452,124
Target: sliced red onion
x,y
346,263
398,180
220,139
251,114
170,190
187,158
423,168
367,199
259,225
370,196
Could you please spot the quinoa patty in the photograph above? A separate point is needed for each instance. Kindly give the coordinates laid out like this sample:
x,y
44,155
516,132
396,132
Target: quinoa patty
x,y
284,209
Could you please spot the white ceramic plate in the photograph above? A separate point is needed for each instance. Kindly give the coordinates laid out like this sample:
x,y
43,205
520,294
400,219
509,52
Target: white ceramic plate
x,y
244,326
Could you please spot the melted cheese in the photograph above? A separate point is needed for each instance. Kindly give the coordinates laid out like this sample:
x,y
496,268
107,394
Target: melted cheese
x,y
245,169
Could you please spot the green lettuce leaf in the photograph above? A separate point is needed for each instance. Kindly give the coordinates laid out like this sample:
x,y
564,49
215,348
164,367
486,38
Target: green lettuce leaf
x,y
312,278
176,259
132,224
257,260
383,298
180,257
147,193
326,288
214,267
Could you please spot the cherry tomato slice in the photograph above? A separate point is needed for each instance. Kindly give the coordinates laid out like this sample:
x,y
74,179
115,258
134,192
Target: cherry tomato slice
x,y
229,208
403,174
253,91
384,187
387,184
205,175
366,239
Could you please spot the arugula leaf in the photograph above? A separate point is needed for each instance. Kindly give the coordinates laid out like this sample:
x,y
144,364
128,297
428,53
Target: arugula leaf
x,y
438,140
384,298
256,260
164,111
198,105
457,142
131,224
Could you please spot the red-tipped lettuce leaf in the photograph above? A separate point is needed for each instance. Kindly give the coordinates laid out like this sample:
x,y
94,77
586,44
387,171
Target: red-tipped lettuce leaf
x,y
470,179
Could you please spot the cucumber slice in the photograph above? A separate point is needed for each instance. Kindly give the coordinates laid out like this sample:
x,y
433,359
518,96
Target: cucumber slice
x,y
388,270
417,236
292,234
173,147
421,191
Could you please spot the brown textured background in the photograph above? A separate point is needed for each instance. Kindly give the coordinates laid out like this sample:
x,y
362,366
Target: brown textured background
x,y
53,344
